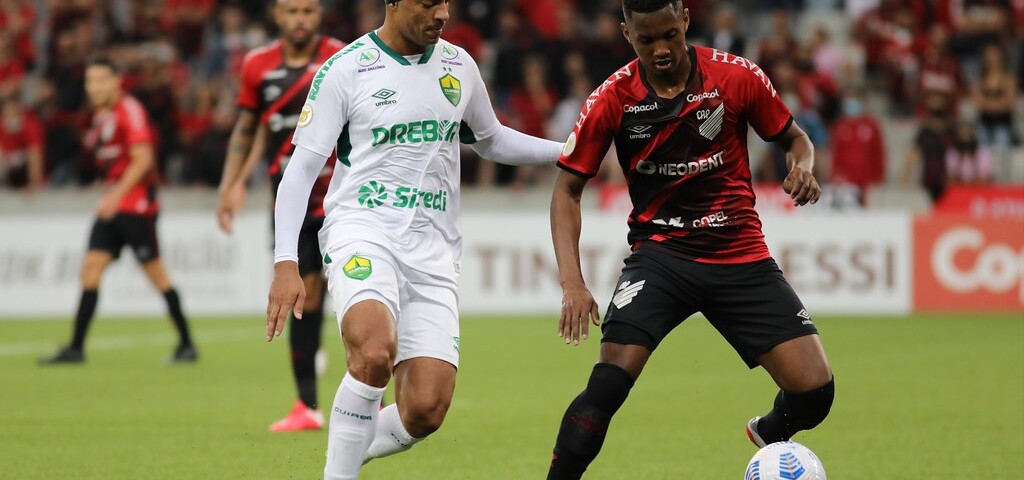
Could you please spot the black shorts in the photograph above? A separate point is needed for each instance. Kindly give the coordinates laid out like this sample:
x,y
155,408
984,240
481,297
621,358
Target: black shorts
x,y
750,304
136,231
310,258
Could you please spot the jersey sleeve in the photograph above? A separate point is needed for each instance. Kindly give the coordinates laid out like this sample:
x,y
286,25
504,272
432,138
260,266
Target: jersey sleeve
x,y
326,110
766,111
136,125
248,93
593,134
480,121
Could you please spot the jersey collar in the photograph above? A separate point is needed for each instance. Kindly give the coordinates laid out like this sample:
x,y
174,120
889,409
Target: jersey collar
x,y
398,58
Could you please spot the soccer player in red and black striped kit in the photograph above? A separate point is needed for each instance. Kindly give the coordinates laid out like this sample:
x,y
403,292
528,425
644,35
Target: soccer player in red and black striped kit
x,y
678,117
121,140
275,83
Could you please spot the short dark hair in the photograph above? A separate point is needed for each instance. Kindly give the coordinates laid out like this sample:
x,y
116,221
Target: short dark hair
x,y
647,6
103,60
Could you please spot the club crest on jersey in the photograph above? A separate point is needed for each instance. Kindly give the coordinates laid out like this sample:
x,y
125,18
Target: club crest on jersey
x,y
306,116
452,89
713,125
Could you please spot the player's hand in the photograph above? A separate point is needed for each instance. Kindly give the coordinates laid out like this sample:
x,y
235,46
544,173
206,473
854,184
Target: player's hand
x,y
578,310
231,202
107,207
287,294
801,186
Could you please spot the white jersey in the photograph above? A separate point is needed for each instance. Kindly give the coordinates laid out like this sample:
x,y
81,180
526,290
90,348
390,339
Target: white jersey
x,y
396,123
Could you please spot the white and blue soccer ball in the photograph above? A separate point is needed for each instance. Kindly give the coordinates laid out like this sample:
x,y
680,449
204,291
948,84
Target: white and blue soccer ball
x,y
785,461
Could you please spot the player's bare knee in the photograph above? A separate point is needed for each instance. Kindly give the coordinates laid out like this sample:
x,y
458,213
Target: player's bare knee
x,y
424,414
372,364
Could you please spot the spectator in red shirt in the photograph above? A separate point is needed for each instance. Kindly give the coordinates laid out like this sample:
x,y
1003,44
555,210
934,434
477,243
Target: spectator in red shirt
x,y
21,147
16,20
531,105
939,71
858,146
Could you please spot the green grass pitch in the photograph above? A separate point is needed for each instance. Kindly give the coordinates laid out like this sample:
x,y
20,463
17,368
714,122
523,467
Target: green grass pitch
x,y
923,397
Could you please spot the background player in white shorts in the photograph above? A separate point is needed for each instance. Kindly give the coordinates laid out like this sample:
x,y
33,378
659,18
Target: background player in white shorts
x,y
394,104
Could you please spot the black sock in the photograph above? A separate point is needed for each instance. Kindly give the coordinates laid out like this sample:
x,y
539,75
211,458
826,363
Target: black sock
x,y
177,317
304,339
86,309
586,421
794,412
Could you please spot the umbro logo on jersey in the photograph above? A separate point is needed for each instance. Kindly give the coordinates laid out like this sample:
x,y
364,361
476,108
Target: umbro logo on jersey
x,y
639,131
713,125
806,316
627,292
384,95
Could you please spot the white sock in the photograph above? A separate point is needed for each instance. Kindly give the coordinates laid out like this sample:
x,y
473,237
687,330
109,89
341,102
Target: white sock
x,y
352,425
391,436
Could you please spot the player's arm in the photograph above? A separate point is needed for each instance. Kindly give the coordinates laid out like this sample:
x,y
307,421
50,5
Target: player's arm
x,y
240,146
287,293
800,183
324,117
578,305
143,160
498,143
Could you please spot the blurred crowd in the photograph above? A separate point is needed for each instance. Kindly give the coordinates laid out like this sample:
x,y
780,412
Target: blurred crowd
x,y
949,68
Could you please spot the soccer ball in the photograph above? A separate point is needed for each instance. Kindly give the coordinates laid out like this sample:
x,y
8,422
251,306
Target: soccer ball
x,y
785,461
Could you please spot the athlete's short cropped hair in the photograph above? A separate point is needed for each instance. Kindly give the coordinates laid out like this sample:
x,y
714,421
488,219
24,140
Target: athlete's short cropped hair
x,y
647,6
104,60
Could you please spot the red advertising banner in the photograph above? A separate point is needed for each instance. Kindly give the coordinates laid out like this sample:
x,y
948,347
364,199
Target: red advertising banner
x,y
962,263
989,202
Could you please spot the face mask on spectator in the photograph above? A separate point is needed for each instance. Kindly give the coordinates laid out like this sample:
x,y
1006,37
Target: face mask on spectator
x,y
853,107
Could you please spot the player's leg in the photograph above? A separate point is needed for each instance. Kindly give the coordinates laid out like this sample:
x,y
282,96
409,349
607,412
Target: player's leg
x,y
807,389
651,300
428,357
364,284
104,247
761,316
140,234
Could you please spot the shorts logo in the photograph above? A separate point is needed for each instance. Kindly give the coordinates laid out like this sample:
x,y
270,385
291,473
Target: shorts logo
x,y
358,268
455,342
452,89
373,194
627,292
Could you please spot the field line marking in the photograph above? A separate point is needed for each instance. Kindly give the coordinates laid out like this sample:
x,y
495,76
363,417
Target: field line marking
x,y
135,341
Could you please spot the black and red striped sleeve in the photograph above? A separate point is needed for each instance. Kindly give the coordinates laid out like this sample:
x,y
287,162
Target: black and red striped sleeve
x,y
249,91
766,112
593,134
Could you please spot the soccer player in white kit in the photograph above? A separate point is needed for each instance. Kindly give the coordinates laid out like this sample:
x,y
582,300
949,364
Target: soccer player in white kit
x,y
395,104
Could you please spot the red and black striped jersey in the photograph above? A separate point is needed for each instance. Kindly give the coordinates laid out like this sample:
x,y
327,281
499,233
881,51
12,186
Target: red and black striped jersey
x,y
110,138
277,92
685,159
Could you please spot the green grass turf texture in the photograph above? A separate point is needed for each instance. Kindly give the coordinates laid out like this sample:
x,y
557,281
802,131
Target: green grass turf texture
x,y
923,397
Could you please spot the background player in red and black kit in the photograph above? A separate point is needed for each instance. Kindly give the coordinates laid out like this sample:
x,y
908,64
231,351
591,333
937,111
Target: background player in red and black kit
x,y
121,140
275,83
678,116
